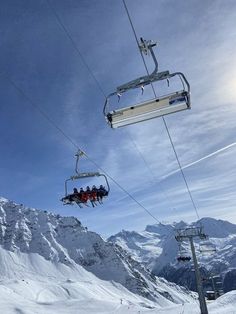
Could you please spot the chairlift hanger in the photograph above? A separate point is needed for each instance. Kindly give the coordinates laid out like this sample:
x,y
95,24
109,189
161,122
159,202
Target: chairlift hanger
x,y
153,108
81,175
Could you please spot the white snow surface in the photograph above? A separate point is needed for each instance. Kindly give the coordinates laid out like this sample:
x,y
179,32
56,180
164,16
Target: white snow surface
x,y
31,284
156,246
52,264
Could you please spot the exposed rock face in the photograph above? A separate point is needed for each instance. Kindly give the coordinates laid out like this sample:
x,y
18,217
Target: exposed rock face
x,y
229,282
64,240
157,249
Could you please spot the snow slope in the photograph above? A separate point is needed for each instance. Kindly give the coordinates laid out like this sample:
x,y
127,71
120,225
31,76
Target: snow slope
x,y
30,284
157,249
48,261
154,247
52,264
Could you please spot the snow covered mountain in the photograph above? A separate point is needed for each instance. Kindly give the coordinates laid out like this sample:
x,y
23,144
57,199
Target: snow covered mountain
x,y
157,249
46,258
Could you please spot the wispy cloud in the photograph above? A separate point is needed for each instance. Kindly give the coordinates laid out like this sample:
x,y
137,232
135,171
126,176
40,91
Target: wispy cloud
x,y
201,159
139,157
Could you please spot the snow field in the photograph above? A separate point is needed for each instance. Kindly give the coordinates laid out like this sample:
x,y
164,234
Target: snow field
x,y
42,287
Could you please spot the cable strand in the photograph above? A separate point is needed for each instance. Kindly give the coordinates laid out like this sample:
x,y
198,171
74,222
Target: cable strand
x,y
152,176
181,169
75,46
136,38
165,124
103,93
44,114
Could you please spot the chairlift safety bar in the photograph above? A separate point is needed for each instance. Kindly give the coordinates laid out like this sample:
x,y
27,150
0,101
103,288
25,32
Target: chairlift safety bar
x,y
84,175
151,109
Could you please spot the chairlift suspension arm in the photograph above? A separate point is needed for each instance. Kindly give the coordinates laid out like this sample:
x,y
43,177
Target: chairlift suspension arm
x,y
155,61
78,155
142,80
107,183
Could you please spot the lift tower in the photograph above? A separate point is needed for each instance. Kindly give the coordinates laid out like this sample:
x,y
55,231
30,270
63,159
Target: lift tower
x,y
188,234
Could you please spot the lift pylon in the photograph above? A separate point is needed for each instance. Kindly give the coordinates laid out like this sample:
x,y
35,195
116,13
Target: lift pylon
x,y
189,234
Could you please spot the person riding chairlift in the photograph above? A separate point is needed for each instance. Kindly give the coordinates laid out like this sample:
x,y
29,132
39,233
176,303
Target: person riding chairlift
x,y
101,193
88,189
84,196
93,194
75,196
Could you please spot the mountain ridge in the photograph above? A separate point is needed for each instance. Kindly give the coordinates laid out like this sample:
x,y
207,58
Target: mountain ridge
x,y
64,241
157,249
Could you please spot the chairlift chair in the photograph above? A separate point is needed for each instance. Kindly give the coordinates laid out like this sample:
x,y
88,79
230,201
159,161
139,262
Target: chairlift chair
x,y
156,107
183,255
207,247
183,258
71,199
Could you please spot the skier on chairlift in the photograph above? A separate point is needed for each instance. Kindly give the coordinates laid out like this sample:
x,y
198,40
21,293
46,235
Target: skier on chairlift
x,y
94,191
82,196
101,192
88,189
76,195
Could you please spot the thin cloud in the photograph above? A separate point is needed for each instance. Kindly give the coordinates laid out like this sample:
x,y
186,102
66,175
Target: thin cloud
x,y
201,159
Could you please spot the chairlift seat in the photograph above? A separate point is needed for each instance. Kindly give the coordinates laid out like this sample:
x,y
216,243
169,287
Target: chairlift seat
x,y
81,198
183,258
71,199
159,106
150,109
66,201
207,247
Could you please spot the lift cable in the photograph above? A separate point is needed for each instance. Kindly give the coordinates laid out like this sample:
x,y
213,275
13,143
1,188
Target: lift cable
x,y
181,169
75,46
42,112
164,121
136,38
68,138
102,91
100,87
141,156
86,64
152,176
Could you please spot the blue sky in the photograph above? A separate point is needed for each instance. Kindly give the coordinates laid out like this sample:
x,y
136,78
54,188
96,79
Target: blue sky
x,y
197,38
